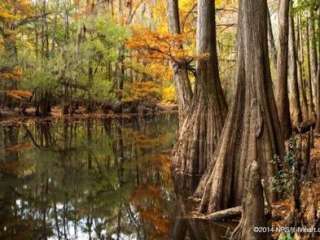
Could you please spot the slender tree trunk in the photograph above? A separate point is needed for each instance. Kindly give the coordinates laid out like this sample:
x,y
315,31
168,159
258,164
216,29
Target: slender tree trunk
x,y
282,68
310,85
300,61
313,50
251,131
202,127
295,107
272,45
317,84
180,73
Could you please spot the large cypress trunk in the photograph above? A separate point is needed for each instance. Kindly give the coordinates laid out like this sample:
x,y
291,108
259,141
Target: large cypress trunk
x,y
180,73
251,131
201,129
282,68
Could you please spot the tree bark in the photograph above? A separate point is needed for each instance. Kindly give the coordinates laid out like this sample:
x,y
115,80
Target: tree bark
x,y
300,62
313,51
272,45
201,129
310,85
295,107
253,208
317,84
252,128
282,68
180,73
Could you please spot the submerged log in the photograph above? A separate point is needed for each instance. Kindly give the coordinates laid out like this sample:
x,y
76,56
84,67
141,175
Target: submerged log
x,y
223,215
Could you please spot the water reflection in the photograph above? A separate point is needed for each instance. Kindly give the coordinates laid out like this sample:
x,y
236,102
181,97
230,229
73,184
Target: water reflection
x,y
87,179
187,228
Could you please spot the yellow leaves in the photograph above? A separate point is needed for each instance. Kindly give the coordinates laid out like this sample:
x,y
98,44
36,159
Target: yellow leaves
x,y
159,13
19,94
147,90
169,94
11,10
185,5
7,16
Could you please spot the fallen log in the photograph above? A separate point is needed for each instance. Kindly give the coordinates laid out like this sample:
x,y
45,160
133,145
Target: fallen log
x,y
229,214
221,216
225,214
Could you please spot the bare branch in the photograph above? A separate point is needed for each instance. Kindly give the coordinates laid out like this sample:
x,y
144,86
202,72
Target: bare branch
x,y
29,20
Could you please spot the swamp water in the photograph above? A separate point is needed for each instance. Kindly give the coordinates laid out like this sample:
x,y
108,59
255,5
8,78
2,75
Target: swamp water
x,y
90,179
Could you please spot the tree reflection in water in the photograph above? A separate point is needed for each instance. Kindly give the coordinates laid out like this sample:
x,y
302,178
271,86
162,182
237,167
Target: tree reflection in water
x,y
93,179
86,179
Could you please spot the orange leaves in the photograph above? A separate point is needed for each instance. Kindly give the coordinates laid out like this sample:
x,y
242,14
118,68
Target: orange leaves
x,y
10,74
159,222
156,46
19,94
145,191
147,200
163,162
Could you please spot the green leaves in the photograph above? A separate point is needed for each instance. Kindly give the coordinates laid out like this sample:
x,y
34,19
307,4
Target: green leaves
x,y
285,236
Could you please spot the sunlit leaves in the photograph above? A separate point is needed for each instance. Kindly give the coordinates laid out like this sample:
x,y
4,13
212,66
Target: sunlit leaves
x,y
10,73
11,10
157,46
19,94
146,91
169,94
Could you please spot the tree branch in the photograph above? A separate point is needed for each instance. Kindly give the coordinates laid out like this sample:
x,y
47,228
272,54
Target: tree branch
x,y
29,20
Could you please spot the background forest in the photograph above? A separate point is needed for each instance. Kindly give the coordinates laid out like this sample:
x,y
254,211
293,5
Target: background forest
x,y
96,53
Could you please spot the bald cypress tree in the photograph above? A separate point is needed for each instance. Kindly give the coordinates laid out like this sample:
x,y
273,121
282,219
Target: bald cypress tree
x,y
251,132
200,131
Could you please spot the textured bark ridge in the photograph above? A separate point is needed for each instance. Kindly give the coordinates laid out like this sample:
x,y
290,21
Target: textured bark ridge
x,y
317,85
295,107
253,208
252,129
282,68
201,129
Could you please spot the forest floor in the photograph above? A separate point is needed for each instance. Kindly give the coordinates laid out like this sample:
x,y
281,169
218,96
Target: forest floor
x,y
309,197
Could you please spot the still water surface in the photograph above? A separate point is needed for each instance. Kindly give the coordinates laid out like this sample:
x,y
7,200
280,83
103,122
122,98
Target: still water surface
x,y
89,179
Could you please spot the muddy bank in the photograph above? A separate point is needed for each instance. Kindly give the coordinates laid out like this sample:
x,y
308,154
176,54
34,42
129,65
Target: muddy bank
x,y
106,110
